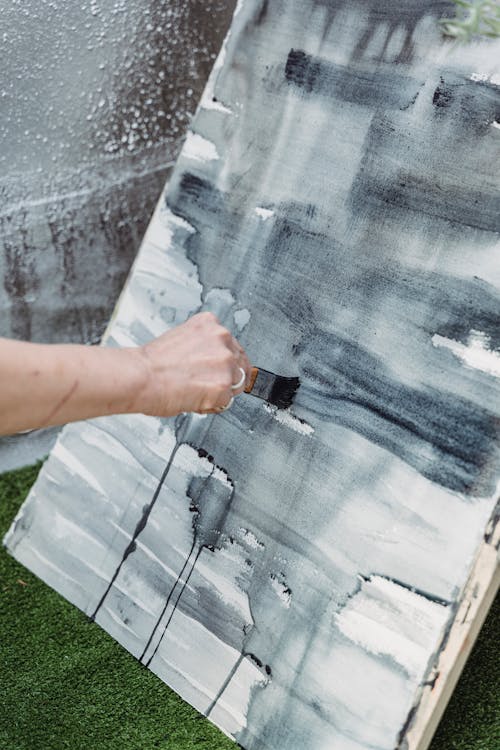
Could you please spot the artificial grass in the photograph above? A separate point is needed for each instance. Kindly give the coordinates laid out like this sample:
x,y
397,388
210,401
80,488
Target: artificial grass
x,y
64,683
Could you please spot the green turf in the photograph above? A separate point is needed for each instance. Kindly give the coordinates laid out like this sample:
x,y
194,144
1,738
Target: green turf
x,y
64,683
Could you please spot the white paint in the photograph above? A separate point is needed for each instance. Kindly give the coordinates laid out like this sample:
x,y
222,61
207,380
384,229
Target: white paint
x,y
219,301
161,272
264,213
281,590
67,531
208,103
250,539
190,671
208,96
70,461
222,477
96,436
149,553
162,226
237,10
238,693
286,418
134,588
494,78
219,571
198,148
241,318
387,619
119,621
61,573
160,442
479,77
496,124
476,354
190,462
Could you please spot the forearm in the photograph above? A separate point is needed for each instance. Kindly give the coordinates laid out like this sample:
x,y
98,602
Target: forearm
x,y
43,385
192,367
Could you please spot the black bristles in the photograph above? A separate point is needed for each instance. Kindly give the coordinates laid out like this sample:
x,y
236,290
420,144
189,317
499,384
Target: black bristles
x,y
283,391
275,389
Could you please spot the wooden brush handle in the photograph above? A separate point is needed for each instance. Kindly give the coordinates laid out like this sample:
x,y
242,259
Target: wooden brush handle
x,y
253,378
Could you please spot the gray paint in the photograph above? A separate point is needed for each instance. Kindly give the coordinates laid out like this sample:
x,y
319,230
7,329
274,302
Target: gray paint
x,y
24,449
293,574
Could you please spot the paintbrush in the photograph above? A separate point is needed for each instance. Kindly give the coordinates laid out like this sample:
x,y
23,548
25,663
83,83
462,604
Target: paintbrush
x,y
275,389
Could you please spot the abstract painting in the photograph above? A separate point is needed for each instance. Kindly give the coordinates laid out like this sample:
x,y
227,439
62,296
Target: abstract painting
x,y
294,573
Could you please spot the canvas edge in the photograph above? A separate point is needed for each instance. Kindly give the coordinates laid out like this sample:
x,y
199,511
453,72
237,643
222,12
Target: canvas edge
x,y
477,597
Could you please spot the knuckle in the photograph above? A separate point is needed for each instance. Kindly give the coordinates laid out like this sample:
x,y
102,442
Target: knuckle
x,y
209,400
223,395
195,322
225,379
204,319
224,334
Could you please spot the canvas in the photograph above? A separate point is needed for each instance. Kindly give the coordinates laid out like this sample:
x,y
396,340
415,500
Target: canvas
x,y
293,573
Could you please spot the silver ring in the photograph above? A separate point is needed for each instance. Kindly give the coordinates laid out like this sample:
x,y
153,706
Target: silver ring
x,y
227,406
240,381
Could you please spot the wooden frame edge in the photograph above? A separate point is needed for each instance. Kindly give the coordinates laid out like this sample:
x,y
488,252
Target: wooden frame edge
x,y
477,596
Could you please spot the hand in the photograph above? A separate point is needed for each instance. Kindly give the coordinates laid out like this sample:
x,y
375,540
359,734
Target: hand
x,y
192,368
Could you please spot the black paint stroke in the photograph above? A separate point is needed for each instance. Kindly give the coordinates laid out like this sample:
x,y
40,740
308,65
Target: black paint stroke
x,y
244,655
167,602
141,525
225,684
408,15
208,522
195,509
468,104
428,183
182,423
401,190
445,437
191,570
369,88
448,439
412,589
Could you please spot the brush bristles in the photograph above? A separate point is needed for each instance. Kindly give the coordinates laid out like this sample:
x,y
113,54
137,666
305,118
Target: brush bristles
x,y
283,391
275,389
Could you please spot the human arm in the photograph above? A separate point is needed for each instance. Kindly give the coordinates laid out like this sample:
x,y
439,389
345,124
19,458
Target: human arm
x,y
189,368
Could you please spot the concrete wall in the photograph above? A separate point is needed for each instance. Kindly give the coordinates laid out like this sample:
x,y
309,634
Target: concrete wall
x,y
95,98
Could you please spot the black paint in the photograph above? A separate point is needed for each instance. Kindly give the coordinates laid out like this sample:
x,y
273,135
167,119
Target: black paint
x,y
369,88
447,439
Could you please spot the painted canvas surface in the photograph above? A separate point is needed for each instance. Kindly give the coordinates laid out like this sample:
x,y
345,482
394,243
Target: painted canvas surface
x,y
293,574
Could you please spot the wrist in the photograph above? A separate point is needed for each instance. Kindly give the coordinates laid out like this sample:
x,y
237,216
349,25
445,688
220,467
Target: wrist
x,y
138,380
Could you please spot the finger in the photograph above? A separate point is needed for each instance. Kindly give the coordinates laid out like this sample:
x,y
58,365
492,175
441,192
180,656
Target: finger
x,y
224,401
244,363
239,380
234,346
241,361
221,403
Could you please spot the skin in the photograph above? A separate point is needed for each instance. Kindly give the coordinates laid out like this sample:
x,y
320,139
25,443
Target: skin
x,y
190,368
